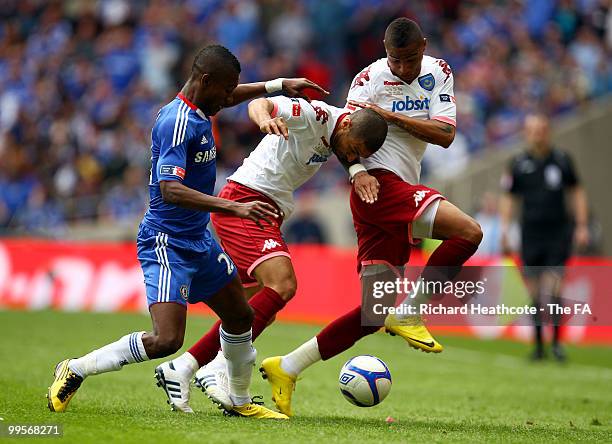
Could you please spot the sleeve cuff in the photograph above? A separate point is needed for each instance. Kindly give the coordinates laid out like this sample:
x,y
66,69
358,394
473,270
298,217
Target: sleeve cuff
x,y
274,110
445,120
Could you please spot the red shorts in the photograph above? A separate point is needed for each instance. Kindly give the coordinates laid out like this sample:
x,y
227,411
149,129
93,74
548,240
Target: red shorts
x,y
246,243
384,228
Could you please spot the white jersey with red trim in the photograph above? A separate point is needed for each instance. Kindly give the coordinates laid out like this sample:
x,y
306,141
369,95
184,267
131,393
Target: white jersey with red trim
x,y
277,167
429,96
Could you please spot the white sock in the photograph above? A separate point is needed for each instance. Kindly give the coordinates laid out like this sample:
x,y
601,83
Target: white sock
x,y
111,357
219,361
408,300
240,355
186,364
301,358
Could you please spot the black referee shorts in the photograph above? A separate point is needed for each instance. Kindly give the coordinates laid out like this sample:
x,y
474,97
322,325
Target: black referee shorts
x,y
545,250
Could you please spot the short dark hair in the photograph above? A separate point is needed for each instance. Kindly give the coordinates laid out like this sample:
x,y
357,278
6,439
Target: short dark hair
x,y
215,60
402,32
370,127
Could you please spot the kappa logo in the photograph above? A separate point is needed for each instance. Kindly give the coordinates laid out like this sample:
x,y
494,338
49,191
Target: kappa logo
x,y
419,195
270,244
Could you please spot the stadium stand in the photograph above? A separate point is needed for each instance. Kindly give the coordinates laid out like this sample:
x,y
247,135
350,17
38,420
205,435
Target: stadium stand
x,y
80,82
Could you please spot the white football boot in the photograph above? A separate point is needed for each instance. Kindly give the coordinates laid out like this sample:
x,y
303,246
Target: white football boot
x,y
214,382
175,384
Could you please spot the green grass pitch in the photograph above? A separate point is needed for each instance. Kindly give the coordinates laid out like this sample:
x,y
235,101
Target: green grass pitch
x,y
473,392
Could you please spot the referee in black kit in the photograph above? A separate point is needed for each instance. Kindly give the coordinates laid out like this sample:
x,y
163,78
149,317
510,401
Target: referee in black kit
x,y
540,179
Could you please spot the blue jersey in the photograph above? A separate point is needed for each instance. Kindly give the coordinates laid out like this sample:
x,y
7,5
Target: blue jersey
x,y
182,149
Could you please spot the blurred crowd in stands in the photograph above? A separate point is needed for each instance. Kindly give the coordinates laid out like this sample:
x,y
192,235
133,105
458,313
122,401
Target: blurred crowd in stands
x,y
81,82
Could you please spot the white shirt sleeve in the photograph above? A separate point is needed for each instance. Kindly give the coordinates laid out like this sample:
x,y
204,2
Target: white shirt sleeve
x,y
443,107
361,88
292,110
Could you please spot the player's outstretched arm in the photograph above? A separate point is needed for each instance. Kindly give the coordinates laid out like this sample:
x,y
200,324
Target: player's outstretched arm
x,y
430,130
260,112
290,87
176,193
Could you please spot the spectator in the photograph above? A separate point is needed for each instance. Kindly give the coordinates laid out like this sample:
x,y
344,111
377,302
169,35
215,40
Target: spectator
x,y
81,82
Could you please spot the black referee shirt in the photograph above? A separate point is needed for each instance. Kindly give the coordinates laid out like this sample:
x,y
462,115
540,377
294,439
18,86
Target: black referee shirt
x,y
541,183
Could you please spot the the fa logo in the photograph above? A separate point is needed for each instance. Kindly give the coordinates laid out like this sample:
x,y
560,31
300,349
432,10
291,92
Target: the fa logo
x,y
419,195
270,244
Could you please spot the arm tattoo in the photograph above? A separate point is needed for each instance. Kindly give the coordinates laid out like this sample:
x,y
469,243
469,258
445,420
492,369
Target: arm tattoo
x,y
415,132
446,128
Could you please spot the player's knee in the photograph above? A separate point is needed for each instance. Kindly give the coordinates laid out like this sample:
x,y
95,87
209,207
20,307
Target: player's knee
x,y
285,287
166,345
239,320
472,231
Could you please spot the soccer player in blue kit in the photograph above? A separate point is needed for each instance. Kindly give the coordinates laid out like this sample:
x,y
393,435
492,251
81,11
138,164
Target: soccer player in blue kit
x,y
181,261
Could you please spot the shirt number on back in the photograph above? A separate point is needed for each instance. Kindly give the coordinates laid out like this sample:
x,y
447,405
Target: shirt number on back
x,y
228,263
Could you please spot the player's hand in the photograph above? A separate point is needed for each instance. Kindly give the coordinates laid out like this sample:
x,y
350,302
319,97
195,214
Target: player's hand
x,y
256,211
276,126
366,187
372,106
295,87
582,236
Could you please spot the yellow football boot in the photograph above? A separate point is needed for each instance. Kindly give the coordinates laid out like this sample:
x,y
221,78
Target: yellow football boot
x,y
283,384
414,332
63,388
256,411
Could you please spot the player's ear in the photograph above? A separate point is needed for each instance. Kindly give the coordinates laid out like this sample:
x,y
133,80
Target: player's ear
x,y
205,79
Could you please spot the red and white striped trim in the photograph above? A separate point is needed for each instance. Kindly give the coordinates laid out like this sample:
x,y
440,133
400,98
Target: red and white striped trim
x,y
424,206
445,120
265,258
192,106
393,268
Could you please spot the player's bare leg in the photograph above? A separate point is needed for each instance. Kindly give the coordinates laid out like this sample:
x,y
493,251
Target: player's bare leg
x,y
461,236
235,334
276,285
236,317
167,337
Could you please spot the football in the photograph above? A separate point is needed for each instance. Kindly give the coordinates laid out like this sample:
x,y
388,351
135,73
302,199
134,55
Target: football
x,y
365,380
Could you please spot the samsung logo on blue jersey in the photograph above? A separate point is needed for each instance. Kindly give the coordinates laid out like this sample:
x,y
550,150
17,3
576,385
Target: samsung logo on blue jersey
x,y
409,105
206,156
